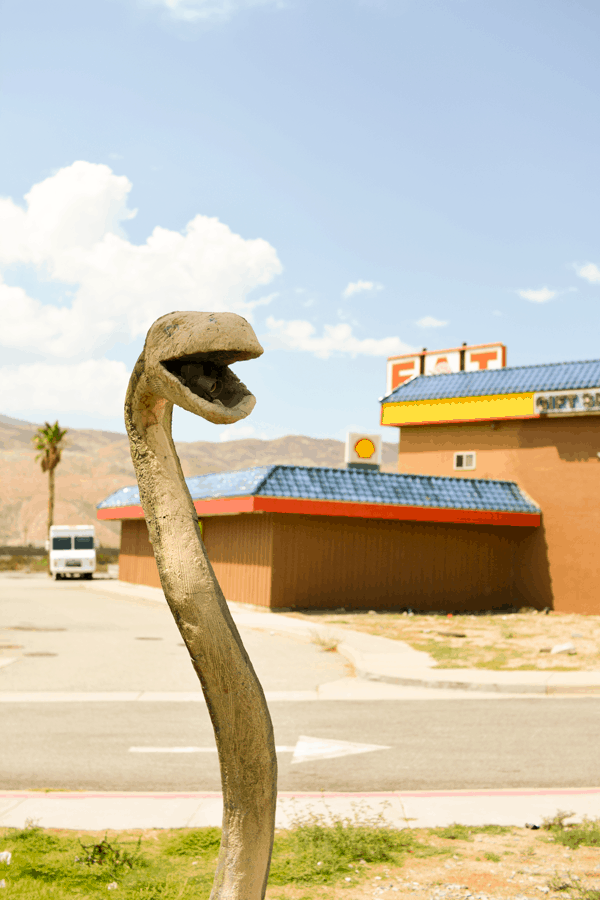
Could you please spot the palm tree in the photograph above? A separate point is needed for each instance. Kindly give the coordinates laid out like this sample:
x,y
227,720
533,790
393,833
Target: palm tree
x,y
48,439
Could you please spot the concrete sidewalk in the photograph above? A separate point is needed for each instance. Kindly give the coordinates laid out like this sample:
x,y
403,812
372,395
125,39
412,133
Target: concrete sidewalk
x,y
388,661
91,811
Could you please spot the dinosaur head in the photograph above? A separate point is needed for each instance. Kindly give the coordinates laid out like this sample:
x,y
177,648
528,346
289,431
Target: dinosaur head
x,y
187,357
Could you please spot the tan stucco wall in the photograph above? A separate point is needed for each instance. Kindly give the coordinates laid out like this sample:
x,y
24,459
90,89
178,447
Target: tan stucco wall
x,y
555,461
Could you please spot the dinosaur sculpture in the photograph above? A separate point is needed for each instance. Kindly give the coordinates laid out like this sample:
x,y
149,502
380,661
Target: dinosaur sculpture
x,y
185,361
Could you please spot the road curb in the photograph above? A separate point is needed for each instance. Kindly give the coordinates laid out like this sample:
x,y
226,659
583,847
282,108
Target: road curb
x,y
440,684
392,662
99,811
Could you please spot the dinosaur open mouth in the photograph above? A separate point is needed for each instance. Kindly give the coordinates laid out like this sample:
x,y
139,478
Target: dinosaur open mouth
x,y
208,376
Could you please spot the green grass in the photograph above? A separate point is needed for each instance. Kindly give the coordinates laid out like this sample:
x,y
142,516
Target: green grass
x,y
458,832
315,852
574,887
180,864
48,866
573,835
467,655
445,656
198,842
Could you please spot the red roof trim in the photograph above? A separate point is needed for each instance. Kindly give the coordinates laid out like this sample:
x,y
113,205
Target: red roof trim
x,y
225,506
393,511
231,506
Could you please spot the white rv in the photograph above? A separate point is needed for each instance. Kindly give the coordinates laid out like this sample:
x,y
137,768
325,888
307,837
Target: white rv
x,y
72,551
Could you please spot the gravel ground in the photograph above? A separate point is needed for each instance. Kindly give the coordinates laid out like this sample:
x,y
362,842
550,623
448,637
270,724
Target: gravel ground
x,y
523,640
519,865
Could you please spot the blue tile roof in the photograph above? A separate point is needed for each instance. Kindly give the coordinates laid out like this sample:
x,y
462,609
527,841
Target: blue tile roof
x,y
241,483
353,485
516,380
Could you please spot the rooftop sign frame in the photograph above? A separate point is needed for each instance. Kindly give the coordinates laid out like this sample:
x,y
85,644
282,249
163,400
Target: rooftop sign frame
x,y
466,358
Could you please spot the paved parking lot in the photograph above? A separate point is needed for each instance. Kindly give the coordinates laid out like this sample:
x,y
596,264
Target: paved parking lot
x,y
61,636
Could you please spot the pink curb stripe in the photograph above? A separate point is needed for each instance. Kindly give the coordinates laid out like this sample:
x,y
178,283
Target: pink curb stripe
x,y
290,795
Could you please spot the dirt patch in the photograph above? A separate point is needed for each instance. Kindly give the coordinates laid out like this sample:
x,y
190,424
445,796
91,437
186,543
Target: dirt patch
x,y
523,640
517,865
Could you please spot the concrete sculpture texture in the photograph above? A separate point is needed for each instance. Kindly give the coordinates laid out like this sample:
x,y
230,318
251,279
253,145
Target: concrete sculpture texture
x,y
185,361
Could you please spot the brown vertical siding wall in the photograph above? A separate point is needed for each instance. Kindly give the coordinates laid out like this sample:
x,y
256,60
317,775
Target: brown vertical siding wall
x,y
136,558
240,549
326,562
556,462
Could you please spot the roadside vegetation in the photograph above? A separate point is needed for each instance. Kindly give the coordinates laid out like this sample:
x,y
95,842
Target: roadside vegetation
x,y
33,563
352,858
527,639
572,834
19,563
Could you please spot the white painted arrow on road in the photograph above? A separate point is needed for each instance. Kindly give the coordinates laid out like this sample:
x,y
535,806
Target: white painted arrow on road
x,y
306,749
309,748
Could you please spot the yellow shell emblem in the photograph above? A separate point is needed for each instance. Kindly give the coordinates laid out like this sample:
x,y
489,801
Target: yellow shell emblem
x,y
364,448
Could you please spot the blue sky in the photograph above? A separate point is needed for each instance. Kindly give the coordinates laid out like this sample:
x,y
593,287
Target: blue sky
x,y
356,177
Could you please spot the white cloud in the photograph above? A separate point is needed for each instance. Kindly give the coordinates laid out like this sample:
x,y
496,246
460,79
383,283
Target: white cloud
x,y
590,272
71,232
238,434
260,431
206,10
244,432
357,287
300,335
538,296
95,386
262,301
430,322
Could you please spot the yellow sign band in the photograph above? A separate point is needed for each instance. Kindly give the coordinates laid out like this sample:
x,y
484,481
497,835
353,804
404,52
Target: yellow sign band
x,y
458,409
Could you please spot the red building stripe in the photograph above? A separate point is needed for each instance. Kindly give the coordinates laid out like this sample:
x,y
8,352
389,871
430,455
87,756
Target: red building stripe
x,y
393,511
231,506
225,506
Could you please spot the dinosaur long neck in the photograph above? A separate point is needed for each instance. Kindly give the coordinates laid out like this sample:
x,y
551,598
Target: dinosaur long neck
x,y
234,696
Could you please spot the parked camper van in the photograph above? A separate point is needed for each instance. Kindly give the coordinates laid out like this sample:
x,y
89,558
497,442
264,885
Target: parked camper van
x,y
72,551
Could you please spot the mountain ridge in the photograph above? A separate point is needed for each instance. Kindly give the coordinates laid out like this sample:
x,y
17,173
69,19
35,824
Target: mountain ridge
x,y
95,463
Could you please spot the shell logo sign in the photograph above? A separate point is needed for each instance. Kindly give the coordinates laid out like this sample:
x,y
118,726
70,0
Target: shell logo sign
x,y
473,358
363,450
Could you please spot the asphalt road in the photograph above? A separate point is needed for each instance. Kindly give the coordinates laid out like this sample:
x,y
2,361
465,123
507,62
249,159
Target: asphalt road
x,y
434,745
63,638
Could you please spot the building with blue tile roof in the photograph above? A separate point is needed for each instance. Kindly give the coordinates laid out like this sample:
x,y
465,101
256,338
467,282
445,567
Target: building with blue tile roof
x,y
512,392
494,504
345,486
295,536
568,376
538,426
